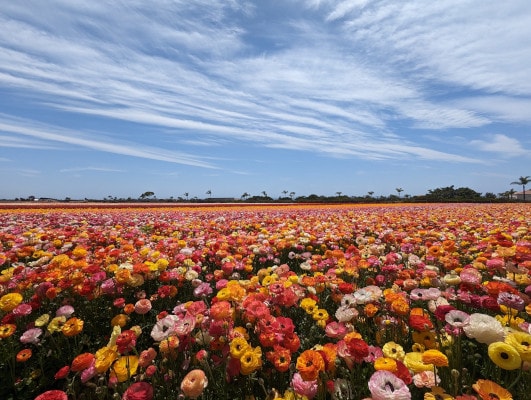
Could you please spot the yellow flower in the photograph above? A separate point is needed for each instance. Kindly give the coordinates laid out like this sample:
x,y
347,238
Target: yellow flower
x,y
320,314
413,361
238,347
42,320
308,305
521,341
437,393
104,359
251,360
504,356
125,367
8,302
385,364
56,324
393,350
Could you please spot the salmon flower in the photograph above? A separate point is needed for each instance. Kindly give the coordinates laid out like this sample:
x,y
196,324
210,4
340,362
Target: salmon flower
x,y
194,383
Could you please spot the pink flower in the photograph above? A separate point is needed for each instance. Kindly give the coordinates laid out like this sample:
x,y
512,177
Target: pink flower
x,y
425,379
336,330
385,385
302,387
66,311
22,310
143,306
31,336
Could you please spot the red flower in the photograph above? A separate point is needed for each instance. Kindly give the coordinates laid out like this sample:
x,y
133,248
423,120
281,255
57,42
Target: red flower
x,y
420,323
52,395
126,341
358,348
62,373
138,391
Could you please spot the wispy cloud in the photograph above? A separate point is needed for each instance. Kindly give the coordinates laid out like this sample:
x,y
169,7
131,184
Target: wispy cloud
x,y
501,144
104,144
187,80
92,169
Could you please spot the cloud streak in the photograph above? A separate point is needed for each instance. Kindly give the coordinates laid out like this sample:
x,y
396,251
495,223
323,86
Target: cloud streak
x,y
348,79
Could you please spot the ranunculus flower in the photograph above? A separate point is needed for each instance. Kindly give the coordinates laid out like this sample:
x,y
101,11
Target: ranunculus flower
x,y
142,306
31,336
138,391
194,383
384,385
81,362
309,364
9,301
52,395
303,387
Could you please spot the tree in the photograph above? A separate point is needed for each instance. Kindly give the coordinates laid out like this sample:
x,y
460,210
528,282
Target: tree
x,y
285,193
209,192
399,190
339,194
264,193
245,196
523,180
147,195
370,193
186,195
291,194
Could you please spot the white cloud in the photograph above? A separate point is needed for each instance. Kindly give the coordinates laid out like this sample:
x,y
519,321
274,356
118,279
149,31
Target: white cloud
x,y
502,144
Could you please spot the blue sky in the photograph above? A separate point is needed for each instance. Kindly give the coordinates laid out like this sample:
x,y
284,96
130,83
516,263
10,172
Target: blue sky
x,y
116,98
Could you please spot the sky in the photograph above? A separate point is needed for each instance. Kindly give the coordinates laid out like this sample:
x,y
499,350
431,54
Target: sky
x,y
217,98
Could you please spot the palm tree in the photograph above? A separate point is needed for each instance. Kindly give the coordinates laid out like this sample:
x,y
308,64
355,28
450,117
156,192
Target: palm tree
x,y
523,180
245,195
370,193
209,192
291,194
264,193
399,190
339,194
284,192
186,195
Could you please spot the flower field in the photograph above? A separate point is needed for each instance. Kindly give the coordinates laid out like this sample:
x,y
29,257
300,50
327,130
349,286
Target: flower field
x,y
266,302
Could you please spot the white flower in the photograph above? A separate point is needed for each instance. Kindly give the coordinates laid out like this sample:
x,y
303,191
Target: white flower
x,y
484,328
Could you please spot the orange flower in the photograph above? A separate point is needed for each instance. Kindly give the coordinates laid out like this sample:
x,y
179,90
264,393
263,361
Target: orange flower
x,y
370,310
24,355
221,310
435,357
400,307
72,327
280,357
385,364
129,308
119,320
7,330
82,362
309,364
489,390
